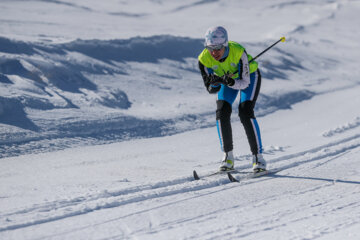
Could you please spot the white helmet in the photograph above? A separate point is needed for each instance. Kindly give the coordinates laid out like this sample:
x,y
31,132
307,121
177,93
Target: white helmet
x,y
216,36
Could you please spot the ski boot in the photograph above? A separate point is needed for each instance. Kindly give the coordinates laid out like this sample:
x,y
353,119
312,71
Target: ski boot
x,y
259,163
227,162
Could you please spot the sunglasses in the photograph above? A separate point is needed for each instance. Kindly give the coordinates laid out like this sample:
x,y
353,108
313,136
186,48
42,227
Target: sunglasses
x,y
214,47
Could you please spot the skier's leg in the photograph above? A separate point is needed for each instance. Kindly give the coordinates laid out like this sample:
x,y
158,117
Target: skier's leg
x,y
226,97
223,116
251,126
246,113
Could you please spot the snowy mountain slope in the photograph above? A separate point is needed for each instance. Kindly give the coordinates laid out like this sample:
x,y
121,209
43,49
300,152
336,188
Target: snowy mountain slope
x,y
77,74
84,90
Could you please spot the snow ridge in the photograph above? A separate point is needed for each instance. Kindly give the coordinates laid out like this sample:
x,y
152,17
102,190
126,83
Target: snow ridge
x,y
343,128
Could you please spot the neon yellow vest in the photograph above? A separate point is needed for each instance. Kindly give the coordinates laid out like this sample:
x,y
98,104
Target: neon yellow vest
x,y
231,62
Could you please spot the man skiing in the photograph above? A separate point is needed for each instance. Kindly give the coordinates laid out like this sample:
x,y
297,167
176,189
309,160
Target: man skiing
x,y
225,69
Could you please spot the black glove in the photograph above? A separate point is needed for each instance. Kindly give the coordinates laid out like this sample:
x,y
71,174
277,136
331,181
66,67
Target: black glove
x,y
214,79
228,80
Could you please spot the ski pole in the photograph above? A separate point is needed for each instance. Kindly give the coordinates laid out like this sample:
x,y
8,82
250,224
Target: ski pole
x,y
282,39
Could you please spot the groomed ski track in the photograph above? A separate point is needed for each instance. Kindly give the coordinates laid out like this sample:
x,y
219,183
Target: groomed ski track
x,y
163,196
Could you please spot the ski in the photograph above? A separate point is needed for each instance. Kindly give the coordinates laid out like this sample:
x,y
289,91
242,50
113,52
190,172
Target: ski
x,y
232,178
197,177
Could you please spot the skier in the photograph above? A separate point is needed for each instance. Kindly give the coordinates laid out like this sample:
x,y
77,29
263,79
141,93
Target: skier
x,y
225,69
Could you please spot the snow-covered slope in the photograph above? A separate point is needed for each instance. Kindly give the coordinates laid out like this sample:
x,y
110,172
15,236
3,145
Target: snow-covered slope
x,y
103,117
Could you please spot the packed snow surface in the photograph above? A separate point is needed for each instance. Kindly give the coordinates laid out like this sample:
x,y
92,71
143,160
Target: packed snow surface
x,y
104,116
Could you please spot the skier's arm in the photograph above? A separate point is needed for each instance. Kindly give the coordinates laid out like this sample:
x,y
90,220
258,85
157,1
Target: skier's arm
x,y
244,73
208,76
